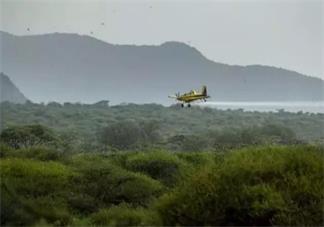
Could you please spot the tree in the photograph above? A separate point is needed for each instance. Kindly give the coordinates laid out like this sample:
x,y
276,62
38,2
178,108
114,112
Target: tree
x,y
28,136
122,135
130,134
151,131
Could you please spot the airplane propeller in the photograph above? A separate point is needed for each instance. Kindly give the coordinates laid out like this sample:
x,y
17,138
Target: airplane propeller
x,y
176,95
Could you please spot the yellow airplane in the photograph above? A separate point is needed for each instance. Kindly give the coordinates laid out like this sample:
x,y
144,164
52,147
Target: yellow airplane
x,y
191,96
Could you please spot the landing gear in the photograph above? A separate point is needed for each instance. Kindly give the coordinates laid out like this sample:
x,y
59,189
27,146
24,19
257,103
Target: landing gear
x,y
183,105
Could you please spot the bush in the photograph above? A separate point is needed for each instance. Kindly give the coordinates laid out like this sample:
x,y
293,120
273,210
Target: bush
x,y
254,186
42,153
163,166
33,190
124,215
125,135
199,159
5,150
121,135
28,136
102,184
253,135
278,134
192,143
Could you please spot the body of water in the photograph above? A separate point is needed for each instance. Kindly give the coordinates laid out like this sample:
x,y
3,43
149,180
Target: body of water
x,y
311,107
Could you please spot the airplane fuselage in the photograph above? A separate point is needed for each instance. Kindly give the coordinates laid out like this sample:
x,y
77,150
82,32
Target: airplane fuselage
x,y
191,98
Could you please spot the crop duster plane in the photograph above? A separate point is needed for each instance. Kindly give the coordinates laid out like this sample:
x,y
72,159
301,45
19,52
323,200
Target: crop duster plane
x,y
191,96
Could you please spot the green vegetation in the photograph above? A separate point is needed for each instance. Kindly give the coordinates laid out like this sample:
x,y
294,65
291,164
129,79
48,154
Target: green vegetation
x,y
151,165
31,190
27,136
256,186
104,183
268,185
158,165
124,215
87,128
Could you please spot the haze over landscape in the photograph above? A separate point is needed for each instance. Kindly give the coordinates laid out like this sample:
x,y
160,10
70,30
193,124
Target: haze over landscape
x,y
285,33
89,134
86,58
69,67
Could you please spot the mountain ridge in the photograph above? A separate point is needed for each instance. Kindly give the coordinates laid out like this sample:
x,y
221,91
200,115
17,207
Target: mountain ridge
x,y
9,92
70,65
154,45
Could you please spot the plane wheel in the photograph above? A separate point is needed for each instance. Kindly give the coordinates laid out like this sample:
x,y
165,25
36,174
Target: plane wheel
x,y
182,105
189,105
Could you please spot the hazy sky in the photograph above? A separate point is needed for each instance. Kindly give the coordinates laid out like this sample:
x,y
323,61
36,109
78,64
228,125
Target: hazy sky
x,y
282,33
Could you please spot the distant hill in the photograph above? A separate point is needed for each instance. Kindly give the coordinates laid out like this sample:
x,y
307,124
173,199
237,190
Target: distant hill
x,y
9,92
71,67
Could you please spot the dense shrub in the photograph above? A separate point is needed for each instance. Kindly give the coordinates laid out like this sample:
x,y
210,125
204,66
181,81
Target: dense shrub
x,y
163,166
230,138
254,186
192,143
198,159
84,127
42,153
99,183
277,133
124,135
124,215
28,136
5,150
33,190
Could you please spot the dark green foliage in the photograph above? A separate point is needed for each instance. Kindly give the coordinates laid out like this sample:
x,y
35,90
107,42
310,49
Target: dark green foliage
x,y
73,173
27,136
42,153
100,183
122,135
82,127
189,142
260,186
200,159
251,186
278,133
33,190
5,150
162,166
126,135
253,135
124,215
151,131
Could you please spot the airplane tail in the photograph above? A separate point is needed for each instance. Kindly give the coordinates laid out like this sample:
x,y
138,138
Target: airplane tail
x,y
204,90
